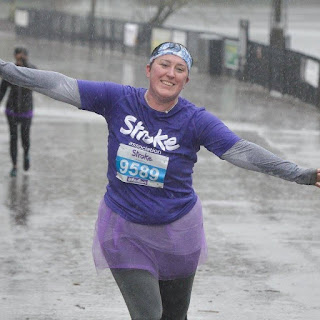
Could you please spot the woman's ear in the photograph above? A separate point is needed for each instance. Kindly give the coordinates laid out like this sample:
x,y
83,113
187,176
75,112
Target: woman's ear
x,y
148,69
187,80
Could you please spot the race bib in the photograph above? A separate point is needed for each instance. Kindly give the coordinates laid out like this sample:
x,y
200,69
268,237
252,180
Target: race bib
x,y
141,167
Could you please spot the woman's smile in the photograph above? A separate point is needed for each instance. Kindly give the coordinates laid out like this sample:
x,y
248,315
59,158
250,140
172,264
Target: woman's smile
x,y
167,83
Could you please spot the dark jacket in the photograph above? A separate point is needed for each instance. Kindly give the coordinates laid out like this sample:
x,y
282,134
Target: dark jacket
x,y
20,99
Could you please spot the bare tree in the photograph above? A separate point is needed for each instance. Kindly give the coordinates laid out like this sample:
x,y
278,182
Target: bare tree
x,y
164,9
56,4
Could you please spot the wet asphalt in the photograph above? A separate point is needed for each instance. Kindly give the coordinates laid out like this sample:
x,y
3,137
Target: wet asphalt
x,y
263,233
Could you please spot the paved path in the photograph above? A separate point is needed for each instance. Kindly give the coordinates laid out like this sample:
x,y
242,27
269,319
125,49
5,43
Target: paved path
x,y
263,233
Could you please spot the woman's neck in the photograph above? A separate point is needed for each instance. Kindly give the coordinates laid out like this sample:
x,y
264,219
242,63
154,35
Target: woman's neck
x,y
162,106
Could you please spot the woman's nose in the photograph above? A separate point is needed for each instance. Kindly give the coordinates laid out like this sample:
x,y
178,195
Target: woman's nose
x,y
170,72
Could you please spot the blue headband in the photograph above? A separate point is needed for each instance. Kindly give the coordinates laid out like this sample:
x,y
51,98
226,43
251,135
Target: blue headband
x,y
175,49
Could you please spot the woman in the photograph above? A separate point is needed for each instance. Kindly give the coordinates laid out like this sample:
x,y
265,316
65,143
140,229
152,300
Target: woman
x,y
19,111
149,230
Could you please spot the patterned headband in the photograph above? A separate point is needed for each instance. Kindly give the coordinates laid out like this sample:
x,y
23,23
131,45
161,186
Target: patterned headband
x,y
176,49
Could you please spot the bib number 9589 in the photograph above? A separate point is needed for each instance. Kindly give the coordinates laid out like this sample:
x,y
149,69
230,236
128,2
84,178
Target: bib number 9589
x,y
141,167
137,169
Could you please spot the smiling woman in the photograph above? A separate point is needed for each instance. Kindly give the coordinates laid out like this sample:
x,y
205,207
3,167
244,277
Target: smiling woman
x,y
149,230
168,71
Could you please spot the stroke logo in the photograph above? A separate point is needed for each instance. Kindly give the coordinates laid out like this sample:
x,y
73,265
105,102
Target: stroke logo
x,y
137,131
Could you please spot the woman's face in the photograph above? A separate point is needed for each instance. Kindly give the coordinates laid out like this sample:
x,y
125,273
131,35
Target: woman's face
x,y
168,74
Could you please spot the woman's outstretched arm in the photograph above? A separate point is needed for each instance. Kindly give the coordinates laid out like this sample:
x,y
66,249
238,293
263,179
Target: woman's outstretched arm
x,y
248,155
52,84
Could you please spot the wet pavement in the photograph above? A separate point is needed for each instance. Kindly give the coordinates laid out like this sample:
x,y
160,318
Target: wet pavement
x,y
263,233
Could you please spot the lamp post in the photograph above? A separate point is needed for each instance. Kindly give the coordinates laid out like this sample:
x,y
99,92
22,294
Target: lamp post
x,y
91,20
278,25
93,7
12,10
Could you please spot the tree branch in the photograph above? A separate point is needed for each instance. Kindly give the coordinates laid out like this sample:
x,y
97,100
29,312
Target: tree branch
x,y
166,8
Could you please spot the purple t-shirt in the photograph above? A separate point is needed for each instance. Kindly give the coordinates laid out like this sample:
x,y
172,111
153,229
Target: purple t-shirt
x,y
151,154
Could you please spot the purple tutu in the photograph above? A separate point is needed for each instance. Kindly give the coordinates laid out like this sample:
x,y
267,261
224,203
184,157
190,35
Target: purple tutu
x,y
168,251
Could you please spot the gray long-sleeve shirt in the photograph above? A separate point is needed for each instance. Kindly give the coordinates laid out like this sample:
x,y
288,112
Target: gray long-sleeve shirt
x,y
49,83
243,154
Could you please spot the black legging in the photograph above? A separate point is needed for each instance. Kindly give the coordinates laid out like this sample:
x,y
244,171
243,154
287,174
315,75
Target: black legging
x,y
150,299
25,124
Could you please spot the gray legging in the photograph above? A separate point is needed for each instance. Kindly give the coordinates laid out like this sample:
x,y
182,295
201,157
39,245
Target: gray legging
x,y
25,124
150,299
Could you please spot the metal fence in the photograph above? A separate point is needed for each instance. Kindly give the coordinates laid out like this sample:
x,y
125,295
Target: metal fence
x,y
285,71
100,32
61,26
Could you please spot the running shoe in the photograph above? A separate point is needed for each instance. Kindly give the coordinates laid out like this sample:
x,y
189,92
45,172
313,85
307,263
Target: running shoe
x,y
26,163
13,172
